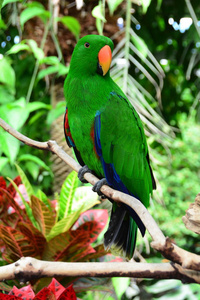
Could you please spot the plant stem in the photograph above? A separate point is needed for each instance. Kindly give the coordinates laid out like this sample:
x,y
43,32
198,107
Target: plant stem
x,y
30,89
127,41
193,15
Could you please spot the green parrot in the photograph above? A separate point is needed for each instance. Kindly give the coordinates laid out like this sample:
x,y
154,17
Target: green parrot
x,y
108,138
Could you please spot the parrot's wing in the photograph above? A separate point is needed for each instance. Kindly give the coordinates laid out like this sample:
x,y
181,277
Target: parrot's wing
x,y
69,138
121,145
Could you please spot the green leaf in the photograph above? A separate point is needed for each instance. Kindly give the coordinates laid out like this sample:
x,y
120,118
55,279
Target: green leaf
x,y
36,105
33,11
120,285
32,168
67,194
17,48
56,112
37,52
64,225
6,96
50,60
72,24
35,159
9,1
25,181
7,75
97,12
9,145
43,215
113,4
41,195
3,162
145,4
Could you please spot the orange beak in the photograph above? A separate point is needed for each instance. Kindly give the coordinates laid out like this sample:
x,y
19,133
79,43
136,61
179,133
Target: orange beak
x,y
105,58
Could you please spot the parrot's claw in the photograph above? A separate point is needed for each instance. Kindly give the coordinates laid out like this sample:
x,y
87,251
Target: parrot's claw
x,y
96,188
82,172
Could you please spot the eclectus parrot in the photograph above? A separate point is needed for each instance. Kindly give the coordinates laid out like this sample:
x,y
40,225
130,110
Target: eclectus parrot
x,y
107,136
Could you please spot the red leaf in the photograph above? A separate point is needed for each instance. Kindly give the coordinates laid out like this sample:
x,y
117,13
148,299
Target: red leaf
x,y
9,297
45,294
25,293
68,294
2,183
11,188
56,288
100,215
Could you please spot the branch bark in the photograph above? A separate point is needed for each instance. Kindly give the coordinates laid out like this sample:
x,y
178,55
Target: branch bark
x,y
28,268
185,263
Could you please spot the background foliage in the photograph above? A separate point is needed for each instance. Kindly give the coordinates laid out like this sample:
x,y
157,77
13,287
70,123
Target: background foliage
x,y
156,62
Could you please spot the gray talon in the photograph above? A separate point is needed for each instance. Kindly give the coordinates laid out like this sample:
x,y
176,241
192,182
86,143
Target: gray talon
x,y
82,172
96,188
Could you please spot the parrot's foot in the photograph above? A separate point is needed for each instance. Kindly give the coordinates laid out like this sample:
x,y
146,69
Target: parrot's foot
x,y
96,188
82,172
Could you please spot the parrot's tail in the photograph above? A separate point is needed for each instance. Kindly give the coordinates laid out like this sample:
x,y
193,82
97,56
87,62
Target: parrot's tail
x,y
121,235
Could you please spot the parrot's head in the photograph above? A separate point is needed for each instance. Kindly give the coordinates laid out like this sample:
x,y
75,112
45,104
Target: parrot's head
x,y
92,55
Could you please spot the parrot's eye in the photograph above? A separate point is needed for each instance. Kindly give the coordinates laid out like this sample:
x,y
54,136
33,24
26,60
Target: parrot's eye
x,y
87,45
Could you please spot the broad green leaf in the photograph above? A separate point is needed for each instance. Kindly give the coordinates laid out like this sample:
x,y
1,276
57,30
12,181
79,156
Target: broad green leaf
x,y
31,12
120,285
32,106
37,52
7,75
9,145
163,286
25,181
50,60
35,159
16,117
17,48
56,112
6,96
72,24
86,197
43,197
2,23
64,225
32,168
26,204
145,4
43,215
3,162
113,4
67,194
9,1
97,12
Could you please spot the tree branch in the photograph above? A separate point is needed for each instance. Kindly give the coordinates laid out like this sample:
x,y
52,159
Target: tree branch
x,y
28,268
187,262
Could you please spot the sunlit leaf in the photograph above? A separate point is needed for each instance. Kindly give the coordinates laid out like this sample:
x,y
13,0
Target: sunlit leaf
x,y
25,181
67,194
17,48
72,24
33,158
120,285
7,74
113,4
33,11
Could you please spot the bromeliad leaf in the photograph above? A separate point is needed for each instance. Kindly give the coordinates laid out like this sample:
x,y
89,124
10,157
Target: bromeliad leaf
x,y
26,204
43,215
64,224
25,181
67,194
